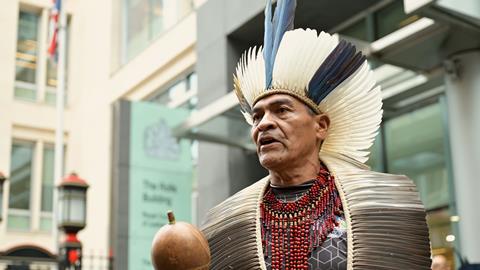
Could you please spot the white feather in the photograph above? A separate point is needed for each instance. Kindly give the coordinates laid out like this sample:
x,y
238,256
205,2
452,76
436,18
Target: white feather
x,y
300,54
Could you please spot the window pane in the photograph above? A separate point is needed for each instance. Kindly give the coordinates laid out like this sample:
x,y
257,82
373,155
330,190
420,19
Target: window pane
x,y
137,32
20,176
51,80
145,20
178,90
47,178
26,56
192,80
182,93
357,30
51,74
375,158
156,17
19,221
415,147
174,92
46,224
392,18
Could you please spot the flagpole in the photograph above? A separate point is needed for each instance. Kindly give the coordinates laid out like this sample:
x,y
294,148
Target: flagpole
x,y
59,133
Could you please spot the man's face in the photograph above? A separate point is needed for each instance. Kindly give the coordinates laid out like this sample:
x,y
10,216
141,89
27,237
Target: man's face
x,y
285,131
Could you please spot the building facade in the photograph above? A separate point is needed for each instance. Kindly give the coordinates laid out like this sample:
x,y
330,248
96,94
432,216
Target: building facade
x,y
131,50
182,54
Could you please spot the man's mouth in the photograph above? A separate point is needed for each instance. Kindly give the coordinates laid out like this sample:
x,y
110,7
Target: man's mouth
x,y
267,140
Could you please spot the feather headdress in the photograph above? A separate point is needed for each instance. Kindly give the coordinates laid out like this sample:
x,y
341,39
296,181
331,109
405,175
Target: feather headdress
x,y
328,75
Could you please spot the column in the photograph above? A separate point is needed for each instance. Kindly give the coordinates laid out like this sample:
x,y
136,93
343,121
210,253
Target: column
x,y
463,99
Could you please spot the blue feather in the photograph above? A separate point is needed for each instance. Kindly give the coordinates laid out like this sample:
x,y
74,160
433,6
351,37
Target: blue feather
x,y
267,44
282,22
342,62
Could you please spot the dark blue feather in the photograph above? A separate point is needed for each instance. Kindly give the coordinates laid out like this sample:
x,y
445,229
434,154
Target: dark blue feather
x,y
342,62
325,69
282,22
336,62
322,72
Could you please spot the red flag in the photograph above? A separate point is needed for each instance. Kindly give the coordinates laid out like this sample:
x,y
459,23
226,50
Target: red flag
x,y
54,17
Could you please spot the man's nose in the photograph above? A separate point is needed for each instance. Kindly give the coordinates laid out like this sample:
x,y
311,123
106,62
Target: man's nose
x,y
267,122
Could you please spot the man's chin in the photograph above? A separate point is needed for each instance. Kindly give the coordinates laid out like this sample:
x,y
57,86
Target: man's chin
x,y
270,161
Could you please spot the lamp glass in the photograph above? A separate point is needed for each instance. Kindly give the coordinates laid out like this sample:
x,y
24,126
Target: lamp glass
x,y
77,207
72,206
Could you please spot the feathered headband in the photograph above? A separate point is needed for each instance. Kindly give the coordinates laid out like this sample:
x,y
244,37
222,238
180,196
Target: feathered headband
x,y
328,75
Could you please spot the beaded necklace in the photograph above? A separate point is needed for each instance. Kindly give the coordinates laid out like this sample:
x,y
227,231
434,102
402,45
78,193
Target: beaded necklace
x,y
294,229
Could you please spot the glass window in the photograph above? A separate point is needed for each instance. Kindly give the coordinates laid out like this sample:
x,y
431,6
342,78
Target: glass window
x,y
192,85
392,18
50,94
20,186
357,30
192,81
47,178
26,56
51,72
137,26
27,69
18,220
46,222
145,20
375,160
21,175
177,90
182,93
415,147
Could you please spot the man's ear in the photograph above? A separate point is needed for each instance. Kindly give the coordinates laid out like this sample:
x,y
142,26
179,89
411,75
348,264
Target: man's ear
x,y
323,122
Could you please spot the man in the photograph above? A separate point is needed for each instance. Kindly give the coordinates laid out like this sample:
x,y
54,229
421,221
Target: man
x,y
314,111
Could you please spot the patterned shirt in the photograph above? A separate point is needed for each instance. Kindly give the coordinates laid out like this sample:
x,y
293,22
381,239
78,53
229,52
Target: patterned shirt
x,y
332,254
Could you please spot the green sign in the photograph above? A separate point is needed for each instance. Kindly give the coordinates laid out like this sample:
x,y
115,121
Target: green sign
x,y
160,177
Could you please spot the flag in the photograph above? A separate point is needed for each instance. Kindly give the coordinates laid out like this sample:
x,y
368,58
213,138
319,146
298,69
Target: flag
x,y
54,24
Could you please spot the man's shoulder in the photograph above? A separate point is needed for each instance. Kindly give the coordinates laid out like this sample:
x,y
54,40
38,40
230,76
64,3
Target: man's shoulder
x,y
392,177
232,225
374,175
388,175
243,196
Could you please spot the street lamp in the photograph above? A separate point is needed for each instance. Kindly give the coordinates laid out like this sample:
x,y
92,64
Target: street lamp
x,y
2,180
72,195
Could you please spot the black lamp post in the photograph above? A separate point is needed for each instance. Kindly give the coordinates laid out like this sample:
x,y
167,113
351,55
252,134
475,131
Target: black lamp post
x,y
72,197
2,180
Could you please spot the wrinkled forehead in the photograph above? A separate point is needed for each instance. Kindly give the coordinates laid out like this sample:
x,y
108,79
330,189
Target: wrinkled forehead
x,y
276,99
